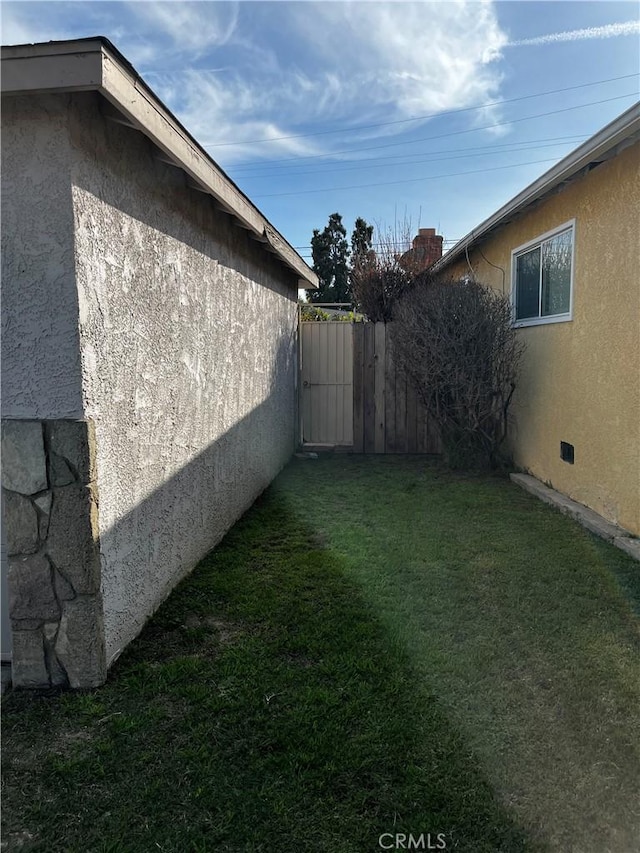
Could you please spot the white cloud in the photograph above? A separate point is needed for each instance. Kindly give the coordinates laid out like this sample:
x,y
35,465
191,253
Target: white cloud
x,y
18,26
238,72
219,105
629,28
425,56
346,64
191,27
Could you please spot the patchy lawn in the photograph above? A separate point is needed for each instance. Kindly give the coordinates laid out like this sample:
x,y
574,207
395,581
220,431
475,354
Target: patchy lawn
x,y
377,647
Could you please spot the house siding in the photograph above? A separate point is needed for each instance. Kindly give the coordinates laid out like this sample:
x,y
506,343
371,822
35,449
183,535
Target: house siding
x,y
580,380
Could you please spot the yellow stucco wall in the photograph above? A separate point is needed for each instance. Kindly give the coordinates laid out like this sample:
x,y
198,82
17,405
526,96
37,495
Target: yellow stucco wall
x,y
580,380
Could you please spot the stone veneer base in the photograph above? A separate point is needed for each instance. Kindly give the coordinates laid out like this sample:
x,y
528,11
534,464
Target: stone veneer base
x,y
50,517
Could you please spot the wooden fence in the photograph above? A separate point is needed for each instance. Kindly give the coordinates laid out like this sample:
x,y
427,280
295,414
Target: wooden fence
x,y
388,416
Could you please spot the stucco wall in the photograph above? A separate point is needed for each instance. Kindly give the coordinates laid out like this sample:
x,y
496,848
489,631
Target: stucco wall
x,y
580,380
132,303
187,338
40,347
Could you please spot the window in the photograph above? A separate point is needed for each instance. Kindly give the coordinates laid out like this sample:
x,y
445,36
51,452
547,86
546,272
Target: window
x,y
542,275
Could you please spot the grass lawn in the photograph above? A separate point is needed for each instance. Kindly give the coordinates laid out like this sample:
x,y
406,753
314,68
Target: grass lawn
x,y
378,646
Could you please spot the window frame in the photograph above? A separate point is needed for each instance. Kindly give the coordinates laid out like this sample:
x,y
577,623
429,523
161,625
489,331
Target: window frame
x,y
540,320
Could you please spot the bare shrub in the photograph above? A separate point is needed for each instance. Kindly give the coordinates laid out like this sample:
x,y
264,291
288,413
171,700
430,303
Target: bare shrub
x,y
457,343
379,278
376,288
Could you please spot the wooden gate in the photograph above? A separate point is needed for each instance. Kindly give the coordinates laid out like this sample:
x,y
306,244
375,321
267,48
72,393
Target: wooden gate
x,y
353,394
327,383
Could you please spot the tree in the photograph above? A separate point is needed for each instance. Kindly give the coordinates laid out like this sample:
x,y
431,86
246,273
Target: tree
x,y
330,252
456,342
362,252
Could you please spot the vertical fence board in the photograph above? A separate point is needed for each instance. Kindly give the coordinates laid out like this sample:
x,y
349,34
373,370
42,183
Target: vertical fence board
x,y
412,419
433,443
340,377
348,391
344,389
401,412
379,390
390,401
316,400
358,387
369,388
422,428
307,360
330,396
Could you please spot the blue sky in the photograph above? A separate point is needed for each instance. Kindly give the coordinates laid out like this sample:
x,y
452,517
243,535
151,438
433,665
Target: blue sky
x,y
407,114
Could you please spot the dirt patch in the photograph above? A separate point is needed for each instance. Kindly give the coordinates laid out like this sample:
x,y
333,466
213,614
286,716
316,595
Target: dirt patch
x,y
225,630
299,660
17,840
319,540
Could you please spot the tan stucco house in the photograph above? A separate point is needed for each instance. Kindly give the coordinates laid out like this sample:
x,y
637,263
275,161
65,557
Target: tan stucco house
x,y
567,252
149,356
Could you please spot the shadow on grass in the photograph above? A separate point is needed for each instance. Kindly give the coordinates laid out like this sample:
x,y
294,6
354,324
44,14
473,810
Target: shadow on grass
x,y
513,616
264,708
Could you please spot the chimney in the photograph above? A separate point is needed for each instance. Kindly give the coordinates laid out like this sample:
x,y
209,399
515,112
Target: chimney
x,y
427,247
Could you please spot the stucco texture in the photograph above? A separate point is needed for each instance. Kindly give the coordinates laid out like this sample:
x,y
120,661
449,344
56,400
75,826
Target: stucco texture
x,y
187,337
40,345
580,380
180,333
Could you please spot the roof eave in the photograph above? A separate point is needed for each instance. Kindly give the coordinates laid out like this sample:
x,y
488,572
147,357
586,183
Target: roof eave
x,y
94,64
621,131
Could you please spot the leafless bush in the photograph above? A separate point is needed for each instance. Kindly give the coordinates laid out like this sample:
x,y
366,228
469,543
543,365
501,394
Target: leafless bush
x,y
457,343
375,289
379,278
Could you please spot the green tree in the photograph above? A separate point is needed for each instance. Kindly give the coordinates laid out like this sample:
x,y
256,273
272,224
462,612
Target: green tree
x,y
330,252
361,248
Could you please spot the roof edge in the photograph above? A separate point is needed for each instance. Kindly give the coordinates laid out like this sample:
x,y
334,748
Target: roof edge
x,y
601,144
99,66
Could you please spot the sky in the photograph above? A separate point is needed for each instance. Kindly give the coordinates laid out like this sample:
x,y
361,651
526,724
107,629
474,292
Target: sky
x,y
410,115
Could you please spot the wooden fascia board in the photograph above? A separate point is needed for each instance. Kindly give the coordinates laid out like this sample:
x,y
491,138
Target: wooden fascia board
x,y
132,100
142,110
29,71
89,65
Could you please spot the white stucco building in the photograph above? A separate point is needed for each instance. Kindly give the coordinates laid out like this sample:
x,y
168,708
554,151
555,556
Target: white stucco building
x,y
149,327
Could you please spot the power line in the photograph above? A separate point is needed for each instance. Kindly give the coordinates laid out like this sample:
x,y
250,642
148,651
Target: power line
x,y
383,160
409,180
423,117
402,246
326,171
455,132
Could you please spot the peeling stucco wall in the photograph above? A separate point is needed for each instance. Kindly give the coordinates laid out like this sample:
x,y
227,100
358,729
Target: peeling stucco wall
x,y
580,380
131,302
187,336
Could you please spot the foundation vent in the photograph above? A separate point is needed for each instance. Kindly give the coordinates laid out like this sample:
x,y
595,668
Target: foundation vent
x,y
566,452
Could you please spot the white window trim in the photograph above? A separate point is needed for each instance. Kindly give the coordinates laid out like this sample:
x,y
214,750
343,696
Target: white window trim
x,y
530,244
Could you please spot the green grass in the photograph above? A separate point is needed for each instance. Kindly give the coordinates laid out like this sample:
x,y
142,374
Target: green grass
x,y
378,646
